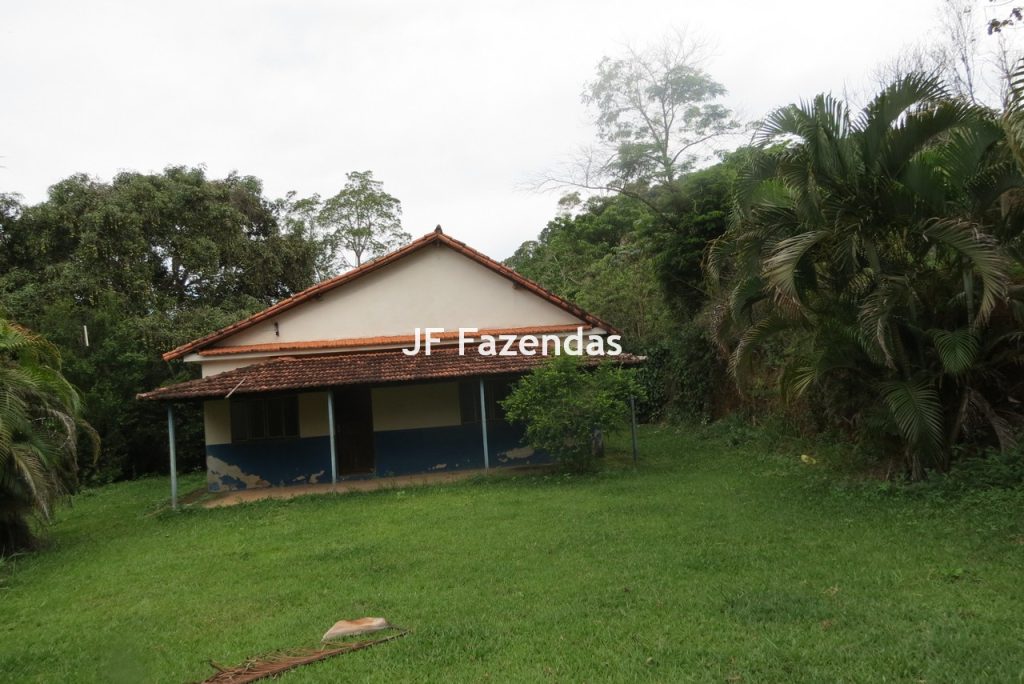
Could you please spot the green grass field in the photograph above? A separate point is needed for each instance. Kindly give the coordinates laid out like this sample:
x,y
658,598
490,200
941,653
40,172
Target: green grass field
x,y
719,560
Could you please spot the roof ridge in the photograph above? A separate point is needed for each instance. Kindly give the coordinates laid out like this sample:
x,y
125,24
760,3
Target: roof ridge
x,y
434,236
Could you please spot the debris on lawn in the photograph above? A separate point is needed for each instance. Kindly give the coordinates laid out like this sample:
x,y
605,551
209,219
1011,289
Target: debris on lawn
x,y
261,667
343,628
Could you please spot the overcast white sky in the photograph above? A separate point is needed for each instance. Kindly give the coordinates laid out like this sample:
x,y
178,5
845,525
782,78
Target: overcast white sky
x,y
453,105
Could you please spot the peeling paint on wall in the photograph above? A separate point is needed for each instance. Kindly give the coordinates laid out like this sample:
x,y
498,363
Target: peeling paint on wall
x,y
269,463
299,461
221,475
517,454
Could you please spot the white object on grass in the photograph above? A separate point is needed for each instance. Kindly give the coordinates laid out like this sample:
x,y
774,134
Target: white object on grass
x,y
343,628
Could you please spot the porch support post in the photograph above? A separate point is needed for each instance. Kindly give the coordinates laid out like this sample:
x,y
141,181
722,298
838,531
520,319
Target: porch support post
x,y
483,425
334,446
174,456
632,409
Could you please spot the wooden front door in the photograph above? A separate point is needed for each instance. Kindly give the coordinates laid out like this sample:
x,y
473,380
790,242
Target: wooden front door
x,y
353,423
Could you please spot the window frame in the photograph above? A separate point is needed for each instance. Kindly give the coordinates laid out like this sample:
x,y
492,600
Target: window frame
x,y
280,408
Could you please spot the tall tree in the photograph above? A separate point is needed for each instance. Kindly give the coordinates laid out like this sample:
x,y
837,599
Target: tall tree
x,y
40,420
301,216
362,221
657,111
881,251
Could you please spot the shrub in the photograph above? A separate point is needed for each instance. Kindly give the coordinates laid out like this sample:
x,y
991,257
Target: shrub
x,y
562,404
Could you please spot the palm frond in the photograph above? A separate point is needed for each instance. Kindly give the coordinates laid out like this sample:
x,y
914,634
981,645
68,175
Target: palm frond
x,y
916,131
987,260
916,410
753,336
40,416
780,267
957,349
886,109
1013,113
875,317
1003,429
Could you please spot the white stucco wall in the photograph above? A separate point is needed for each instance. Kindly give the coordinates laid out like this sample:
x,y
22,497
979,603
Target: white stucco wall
x,y
435,287
405,407
214,366
313,420
217,421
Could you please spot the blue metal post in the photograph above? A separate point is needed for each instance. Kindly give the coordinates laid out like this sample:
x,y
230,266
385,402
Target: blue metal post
x,y
174,456
483,424
334,446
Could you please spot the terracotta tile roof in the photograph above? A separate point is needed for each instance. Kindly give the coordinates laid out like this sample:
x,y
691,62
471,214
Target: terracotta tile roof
x,y
355,368
436,237
400,340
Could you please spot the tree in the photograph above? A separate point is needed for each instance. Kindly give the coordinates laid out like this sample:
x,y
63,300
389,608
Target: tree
x,y
643,274
879,252
301,216
699,206
40,420
658,113
145,262
562,404
362,221
568,247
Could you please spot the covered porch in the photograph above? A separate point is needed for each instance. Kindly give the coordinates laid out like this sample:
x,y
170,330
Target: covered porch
x,y
354,432
324,419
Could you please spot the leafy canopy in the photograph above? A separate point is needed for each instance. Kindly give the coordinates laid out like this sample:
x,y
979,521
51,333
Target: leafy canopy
x,y
145,262
362,221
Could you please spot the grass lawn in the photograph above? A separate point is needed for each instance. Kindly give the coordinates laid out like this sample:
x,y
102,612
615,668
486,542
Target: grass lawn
x,y
722,559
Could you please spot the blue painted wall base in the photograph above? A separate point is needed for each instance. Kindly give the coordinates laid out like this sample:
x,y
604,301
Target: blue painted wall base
x,y
457,447
268,464
397,452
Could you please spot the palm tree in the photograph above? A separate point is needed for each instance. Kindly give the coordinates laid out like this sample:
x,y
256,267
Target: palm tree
x,y
883,251
39,426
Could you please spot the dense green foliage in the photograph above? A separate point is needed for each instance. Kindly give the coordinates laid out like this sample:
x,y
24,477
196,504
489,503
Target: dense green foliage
x,y
722,558
566,407
595,258
636,260
40,420
143,263
883,250
866,265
